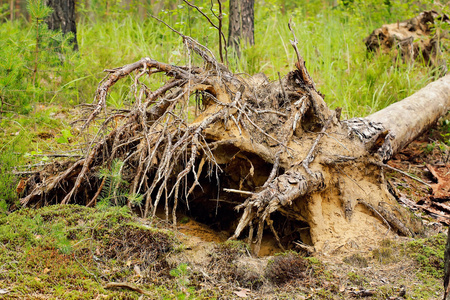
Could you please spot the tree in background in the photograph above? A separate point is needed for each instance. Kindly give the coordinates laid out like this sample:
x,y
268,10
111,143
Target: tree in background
x,y
63,18
241,23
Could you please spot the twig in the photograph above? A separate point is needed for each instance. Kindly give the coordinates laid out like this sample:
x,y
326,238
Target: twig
x,y
269,111
380,164
300,61
218,27
56,155
238,191
26,172
90,273
125,285
375,211
304,246
97,193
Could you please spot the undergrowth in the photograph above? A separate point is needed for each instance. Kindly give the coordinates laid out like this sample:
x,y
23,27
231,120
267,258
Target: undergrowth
x,y
71,251
331,41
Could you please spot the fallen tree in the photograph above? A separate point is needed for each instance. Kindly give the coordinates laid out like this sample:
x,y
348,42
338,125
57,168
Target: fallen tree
x,y
245,155
416,39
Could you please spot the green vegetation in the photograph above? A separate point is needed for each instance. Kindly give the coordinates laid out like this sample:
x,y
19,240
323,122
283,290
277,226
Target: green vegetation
x,y
331,41
429,253
113,192
68,251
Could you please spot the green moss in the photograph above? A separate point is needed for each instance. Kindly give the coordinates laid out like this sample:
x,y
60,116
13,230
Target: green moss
x,y
313,260
50,250
429,254
356,278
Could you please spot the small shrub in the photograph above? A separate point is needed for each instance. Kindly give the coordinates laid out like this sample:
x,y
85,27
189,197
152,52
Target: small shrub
x,y
286,268
356,260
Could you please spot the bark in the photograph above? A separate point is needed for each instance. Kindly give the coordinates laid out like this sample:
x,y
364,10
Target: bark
x,y
241,23
447,268
409,118
416,39
11,10
63,18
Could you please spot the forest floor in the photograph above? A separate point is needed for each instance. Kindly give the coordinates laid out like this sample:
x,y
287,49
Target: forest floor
x,y
74,252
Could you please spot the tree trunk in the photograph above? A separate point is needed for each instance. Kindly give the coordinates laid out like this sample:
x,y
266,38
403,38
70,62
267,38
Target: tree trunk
x,y
447,268
407,119
63,18
11,10
241,23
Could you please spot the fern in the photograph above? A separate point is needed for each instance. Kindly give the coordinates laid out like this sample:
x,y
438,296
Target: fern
x,y
114,190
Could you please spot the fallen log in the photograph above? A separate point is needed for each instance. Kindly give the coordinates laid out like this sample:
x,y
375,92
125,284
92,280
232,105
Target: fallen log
x,y
409,118
273,151
417,39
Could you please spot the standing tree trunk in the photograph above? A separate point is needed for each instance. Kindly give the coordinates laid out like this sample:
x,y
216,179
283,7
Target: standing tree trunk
x,y
447,268
241,23
11,10
63,18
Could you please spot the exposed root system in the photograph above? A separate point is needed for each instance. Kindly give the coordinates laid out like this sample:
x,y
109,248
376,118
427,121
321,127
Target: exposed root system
x,y
209,141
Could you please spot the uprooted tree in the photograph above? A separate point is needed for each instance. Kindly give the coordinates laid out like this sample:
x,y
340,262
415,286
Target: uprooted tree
x,y
416,39
251,156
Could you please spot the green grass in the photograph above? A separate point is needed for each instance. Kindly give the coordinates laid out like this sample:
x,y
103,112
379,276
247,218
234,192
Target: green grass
x,y
330,40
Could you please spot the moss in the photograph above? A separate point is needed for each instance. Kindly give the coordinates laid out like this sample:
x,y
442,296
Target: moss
x,y
429,254
67,251
313,260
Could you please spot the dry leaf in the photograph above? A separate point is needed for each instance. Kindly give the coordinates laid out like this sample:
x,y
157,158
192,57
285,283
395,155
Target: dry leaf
x,y
243,293
441,189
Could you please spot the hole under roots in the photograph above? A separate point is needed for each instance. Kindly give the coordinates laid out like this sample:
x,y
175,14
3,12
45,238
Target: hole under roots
x,y
210,206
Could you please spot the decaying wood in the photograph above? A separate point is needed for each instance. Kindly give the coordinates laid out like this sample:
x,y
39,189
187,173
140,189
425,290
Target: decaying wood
x,y
408,118
273,147
416,39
